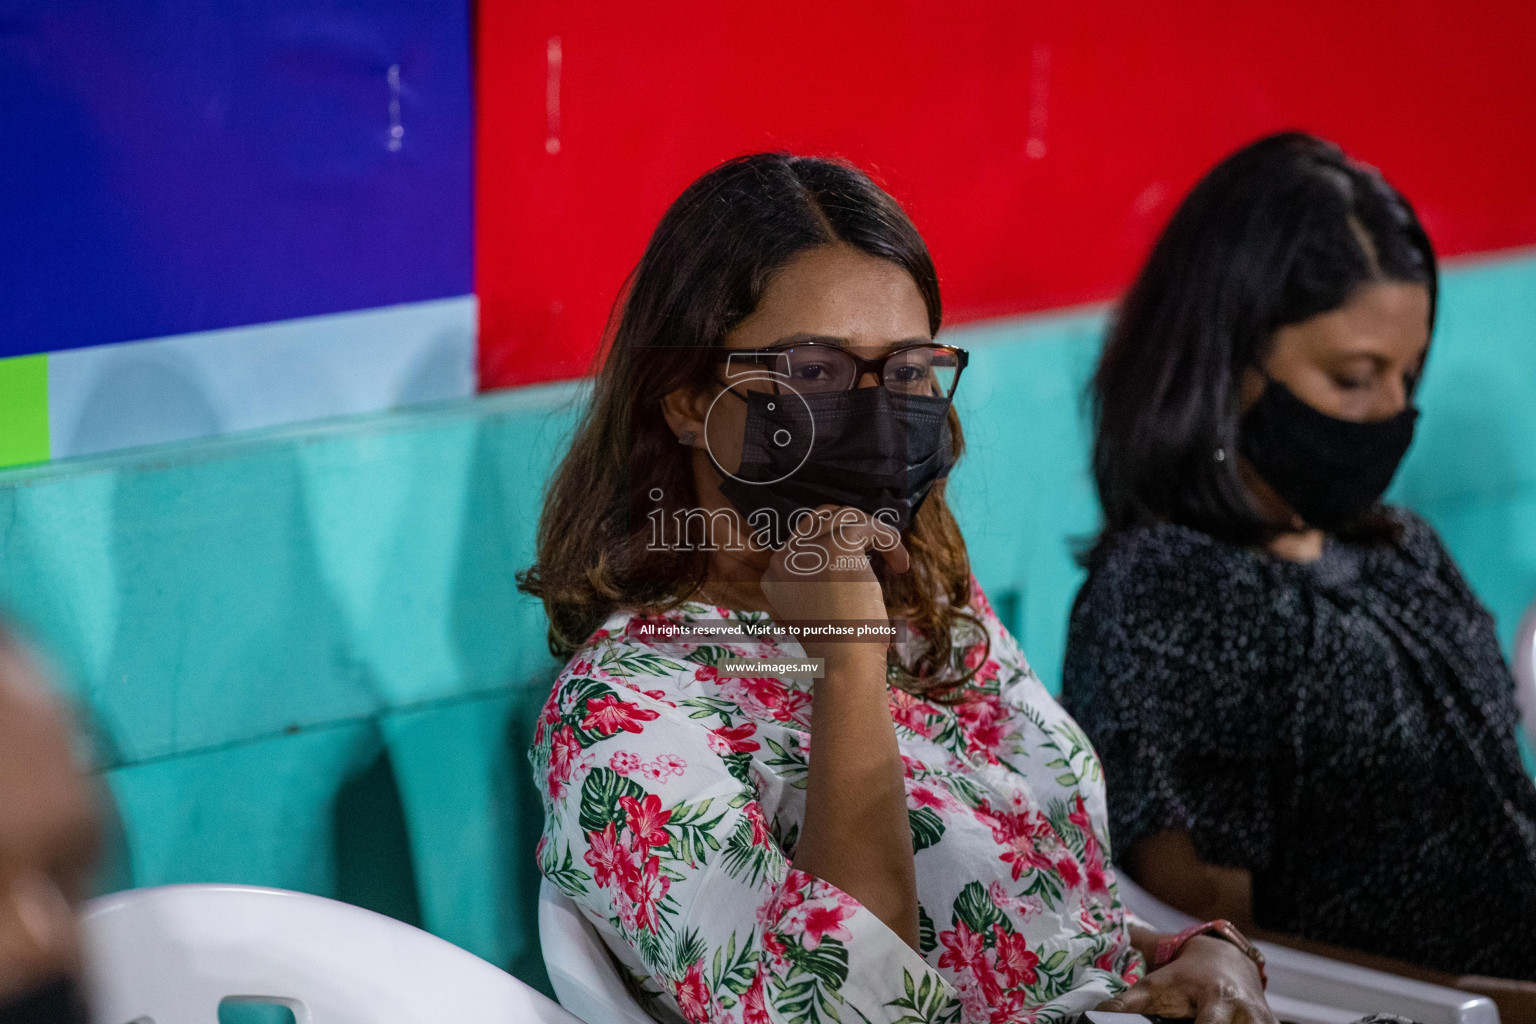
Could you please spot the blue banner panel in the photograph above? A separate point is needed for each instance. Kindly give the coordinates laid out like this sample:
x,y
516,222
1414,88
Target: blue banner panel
x,y
177,166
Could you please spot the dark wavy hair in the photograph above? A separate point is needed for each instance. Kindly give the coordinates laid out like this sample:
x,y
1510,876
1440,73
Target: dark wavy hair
x,y
704,271
1281,231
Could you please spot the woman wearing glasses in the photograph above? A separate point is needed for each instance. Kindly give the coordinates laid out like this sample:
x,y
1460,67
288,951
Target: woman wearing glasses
x,y
1303,711
916,832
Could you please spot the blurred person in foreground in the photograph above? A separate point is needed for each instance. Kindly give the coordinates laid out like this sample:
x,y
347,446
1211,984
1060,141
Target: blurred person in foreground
x,y
1306,722
49,838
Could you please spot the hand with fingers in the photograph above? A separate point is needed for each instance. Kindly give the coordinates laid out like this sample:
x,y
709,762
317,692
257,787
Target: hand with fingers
x,y
1211,981
824,574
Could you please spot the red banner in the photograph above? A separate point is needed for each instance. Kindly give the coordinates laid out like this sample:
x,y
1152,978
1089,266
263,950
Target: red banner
x,y
1039,148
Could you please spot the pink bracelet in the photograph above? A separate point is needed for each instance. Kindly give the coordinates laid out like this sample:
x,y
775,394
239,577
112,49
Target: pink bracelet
x,y
1169,946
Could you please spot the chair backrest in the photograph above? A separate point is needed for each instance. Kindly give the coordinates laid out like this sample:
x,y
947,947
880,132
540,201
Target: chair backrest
x,y
170,955
1308,989
1525,672
580,967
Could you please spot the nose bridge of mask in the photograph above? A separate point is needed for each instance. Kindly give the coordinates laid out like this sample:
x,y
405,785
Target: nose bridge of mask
x,y
865,431
1342,440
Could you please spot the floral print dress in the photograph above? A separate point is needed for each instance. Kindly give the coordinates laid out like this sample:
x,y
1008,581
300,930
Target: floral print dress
x,y
673,802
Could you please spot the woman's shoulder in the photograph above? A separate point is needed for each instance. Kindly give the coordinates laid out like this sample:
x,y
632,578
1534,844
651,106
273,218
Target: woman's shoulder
x,y
1171,571
1170,562
1168,611
1416,540
1417,565
639,648
677,657
1004,699
1154,545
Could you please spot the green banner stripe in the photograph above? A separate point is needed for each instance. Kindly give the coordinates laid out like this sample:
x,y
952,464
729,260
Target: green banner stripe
x,y
23,410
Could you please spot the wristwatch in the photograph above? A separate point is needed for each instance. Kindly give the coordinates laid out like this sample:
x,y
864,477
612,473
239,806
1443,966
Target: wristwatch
x,y
1169,946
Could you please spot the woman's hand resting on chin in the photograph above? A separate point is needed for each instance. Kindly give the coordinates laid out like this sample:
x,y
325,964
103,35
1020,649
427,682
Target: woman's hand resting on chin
x,y
839,587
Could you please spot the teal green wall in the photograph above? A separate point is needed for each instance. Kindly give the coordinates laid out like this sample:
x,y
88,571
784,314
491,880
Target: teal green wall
x,y
304,663
303,658
1472,469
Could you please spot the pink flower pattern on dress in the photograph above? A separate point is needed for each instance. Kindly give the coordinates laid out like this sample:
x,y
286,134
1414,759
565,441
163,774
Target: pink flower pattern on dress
x,y
644,886
625,762
910,712
606,856
609,714
985,725
922,795
1093,854
646,819
564,758
674,802
815,921
1015,961
754,1008
760,833
963,948
733,739
693,993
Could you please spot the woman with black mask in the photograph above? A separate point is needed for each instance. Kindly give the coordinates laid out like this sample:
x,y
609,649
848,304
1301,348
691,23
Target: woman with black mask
x,y
913,831
1305,719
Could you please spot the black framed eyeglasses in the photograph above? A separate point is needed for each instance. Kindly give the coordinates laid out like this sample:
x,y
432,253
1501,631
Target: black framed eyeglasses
x,y
818,368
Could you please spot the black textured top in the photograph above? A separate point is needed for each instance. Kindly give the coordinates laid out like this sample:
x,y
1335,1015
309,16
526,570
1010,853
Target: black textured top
x,y
1344,729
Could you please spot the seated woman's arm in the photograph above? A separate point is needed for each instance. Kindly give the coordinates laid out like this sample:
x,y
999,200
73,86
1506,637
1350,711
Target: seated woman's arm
x,y
1167,866
856,831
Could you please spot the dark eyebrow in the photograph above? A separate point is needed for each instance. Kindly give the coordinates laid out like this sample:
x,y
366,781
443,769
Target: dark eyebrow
x,y
1380,361
1375,358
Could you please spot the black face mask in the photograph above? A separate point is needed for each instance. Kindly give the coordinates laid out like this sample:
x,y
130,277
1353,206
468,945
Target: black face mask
x,y
870,448
57,1002
1328,470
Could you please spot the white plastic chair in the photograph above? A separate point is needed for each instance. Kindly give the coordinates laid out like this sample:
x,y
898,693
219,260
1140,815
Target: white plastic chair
x,y
1525,672
583,972
170,955
1309,989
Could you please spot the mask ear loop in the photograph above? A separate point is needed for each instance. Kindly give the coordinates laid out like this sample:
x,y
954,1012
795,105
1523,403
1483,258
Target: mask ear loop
x,y
727,389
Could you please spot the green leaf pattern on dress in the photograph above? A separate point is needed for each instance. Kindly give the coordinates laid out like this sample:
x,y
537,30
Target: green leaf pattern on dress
x,y
674,797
